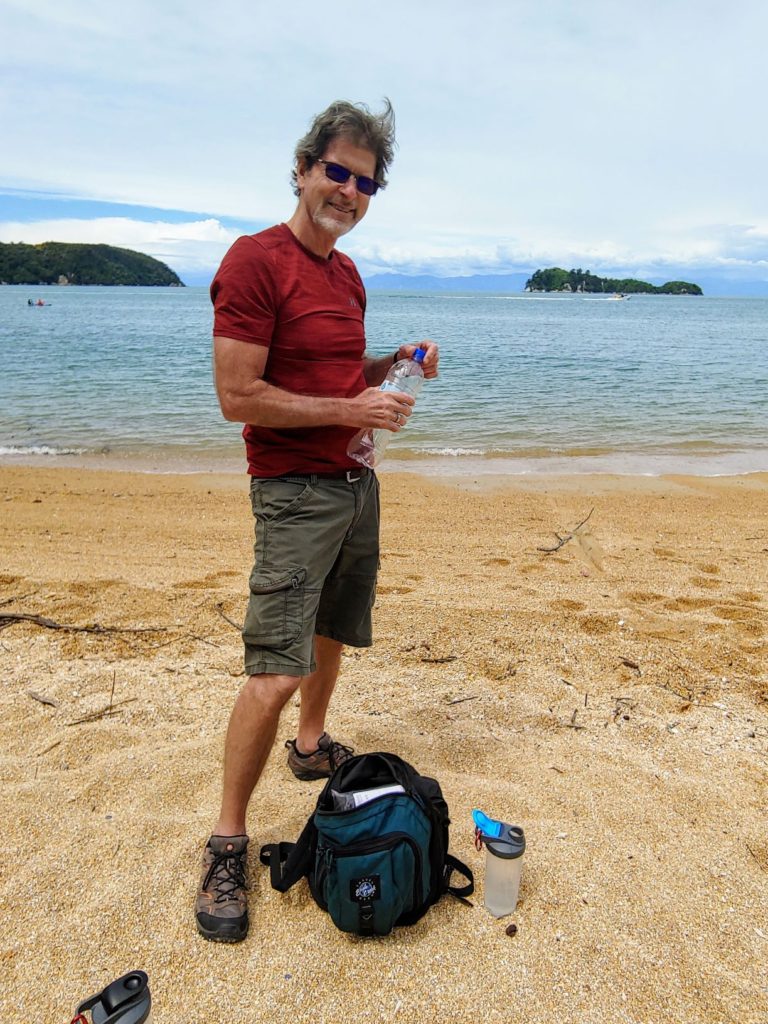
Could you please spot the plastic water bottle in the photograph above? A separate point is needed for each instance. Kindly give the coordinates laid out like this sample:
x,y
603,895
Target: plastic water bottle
x,y
406,376
504,849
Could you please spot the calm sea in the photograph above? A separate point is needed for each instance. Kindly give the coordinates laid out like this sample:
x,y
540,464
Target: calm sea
x,y
528,383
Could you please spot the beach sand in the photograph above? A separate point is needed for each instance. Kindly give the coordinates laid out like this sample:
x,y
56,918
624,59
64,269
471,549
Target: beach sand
x,y
611,697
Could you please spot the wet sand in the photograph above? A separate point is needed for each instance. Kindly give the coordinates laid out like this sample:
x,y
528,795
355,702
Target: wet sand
x,y
610,696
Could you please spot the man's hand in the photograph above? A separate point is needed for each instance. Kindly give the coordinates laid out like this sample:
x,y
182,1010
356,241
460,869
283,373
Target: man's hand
x,y
381,410
431,356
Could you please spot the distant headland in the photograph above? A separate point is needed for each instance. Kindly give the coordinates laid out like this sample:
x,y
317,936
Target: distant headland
x,y
70,263
555,279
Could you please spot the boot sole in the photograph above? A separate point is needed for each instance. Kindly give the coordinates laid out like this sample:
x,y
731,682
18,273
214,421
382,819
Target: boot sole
x,y
307,775
214,936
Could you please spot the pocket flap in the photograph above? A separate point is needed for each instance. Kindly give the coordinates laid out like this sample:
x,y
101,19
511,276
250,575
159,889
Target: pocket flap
x,y
270,579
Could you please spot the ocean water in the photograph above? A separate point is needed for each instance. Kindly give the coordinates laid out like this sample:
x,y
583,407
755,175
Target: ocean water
x,y
528,383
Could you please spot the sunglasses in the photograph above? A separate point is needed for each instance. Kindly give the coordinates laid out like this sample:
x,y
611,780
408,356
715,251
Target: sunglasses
x,y
341,176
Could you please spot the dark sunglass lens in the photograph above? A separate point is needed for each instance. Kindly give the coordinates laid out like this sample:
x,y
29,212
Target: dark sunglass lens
x,y
337,173
367,186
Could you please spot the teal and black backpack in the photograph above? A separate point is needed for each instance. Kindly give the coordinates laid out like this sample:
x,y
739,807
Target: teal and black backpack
x,y
375,850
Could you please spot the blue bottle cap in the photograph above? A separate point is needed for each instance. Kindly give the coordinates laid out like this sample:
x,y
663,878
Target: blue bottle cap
x,y
419,354
487,826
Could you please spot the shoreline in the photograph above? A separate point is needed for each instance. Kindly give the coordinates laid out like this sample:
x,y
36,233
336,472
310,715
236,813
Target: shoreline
x,y
449,465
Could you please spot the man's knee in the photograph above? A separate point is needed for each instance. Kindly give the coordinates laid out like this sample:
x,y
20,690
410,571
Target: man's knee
x,y
271,689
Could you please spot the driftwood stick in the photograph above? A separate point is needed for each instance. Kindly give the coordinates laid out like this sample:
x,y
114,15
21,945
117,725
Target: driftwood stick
x,y
12,600
49,748
462,700
227,619
569,536
757,859
9,618
104,713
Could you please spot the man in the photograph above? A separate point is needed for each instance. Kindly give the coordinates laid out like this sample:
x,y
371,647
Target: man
x,y
290,363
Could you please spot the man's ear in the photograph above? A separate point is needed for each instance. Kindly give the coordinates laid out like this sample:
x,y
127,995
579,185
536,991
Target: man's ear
x,y
301,171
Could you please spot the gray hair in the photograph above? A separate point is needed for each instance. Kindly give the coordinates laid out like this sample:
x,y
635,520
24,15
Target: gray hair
x,y
355,123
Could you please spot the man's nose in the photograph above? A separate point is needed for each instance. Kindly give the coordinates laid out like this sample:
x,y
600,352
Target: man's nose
x,y
349,188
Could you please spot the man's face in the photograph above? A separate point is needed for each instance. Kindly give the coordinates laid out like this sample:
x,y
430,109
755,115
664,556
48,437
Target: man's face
x,y
334,208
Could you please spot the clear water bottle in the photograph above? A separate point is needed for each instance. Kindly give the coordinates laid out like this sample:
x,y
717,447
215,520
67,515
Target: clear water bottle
x,y
406,376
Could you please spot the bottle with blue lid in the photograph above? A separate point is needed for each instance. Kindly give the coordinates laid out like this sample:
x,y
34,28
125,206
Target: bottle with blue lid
x,y
406,376
504,849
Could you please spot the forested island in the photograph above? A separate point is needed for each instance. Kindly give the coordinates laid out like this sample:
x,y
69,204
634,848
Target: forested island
x,y
555,279
73,263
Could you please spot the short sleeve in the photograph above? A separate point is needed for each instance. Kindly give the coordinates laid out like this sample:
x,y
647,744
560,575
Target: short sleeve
x,y
243,294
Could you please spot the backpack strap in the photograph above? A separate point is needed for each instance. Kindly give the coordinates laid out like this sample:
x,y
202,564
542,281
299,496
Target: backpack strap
x,y
290,862
454,864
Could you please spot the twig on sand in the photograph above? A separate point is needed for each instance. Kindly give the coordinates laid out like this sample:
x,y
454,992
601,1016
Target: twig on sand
x,y
227,618
12,600
439,661
9,618
50,701
757,859
104,713
573,724
461,700
112,692
49,748
569,536
631,664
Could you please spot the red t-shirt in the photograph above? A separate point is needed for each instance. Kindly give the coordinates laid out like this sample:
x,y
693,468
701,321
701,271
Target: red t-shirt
x,y
308,311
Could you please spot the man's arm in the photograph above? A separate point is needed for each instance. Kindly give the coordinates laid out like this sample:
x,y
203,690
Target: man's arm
x,y
245,397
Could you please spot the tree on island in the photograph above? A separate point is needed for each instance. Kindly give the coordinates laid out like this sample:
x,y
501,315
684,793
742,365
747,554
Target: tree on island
x,y
72,263
555,279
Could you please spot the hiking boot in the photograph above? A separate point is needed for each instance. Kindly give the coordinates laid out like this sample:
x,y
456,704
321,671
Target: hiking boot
x,y
221,907
320,764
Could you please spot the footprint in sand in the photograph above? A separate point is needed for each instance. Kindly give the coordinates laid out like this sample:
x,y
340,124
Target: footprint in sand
x,y
496,561
642,597
735,614
704,582
687,604
566,605
211,580
665,553
596,625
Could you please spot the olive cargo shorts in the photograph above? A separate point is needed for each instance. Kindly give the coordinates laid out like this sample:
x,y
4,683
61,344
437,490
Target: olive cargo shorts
x,y
316,558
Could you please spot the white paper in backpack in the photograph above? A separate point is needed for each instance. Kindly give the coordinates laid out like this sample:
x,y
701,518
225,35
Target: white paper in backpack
x,y
348,801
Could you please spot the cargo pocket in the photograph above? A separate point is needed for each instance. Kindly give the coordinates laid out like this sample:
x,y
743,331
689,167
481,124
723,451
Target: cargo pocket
x,y
276,609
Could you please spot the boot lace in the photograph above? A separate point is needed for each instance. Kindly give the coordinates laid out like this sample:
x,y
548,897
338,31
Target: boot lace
x,y
227,873
338,753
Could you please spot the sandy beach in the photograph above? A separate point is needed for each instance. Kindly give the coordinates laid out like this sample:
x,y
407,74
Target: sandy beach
x,y
610,696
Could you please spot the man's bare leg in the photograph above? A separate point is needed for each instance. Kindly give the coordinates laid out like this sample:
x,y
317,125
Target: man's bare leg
x,y
316,691
250,736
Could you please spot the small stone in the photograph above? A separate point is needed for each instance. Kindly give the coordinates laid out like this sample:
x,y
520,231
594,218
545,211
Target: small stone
x,y
511,929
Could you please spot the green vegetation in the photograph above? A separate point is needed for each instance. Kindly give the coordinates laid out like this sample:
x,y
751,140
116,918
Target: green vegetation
x,y
555,279
70,263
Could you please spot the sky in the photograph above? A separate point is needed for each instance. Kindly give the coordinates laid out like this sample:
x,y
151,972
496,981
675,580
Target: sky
x,y
618,137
